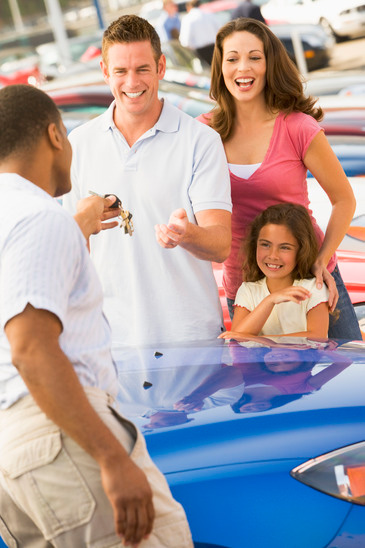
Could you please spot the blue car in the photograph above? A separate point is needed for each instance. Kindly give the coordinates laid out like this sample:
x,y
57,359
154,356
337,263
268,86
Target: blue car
x,y
262,443
350,150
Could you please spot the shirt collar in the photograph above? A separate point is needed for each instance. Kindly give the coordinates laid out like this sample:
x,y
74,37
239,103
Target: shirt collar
x,y
168,121
17,181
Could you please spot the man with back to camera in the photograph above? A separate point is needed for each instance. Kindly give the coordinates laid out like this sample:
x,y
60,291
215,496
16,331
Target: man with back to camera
x,y
165,167
73,472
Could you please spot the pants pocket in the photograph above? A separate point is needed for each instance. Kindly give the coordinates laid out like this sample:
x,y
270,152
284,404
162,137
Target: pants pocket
x,y
42,479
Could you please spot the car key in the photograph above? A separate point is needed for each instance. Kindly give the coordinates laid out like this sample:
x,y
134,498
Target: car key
x,y
125,215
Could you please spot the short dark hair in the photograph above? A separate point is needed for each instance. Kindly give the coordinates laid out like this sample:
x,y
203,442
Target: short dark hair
x,y
296,218
130,28
25,114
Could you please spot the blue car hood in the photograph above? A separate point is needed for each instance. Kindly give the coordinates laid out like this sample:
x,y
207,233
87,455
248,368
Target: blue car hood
x,y
214,403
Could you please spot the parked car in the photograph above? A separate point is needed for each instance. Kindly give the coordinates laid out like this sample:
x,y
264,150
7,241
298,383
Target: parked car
x,y
343,18
183,66
349,149
317,45
351,264
52,65
262,443
321,207
19,65
334,83
342,102
281,464
341,121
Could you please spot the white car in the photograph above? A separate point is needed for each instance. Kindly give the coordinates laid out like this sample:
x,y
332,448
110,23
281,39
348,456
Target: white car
x,y
320,204
344,18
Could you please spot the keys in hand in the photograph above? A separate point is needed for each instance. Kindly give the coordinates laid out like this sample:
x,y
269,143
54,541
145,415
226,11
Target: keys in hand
x,y
127,222
125,215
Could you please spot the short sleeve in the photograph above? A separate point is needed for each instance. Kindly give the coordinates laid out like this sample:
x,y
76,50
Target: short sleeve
x,y
38,265
210,187
318,296
244,297
302,129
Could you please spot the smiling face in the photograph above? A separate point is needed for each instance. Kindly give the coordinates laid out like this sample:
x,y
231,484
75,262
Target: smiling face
x,y
276,253
255,407
282,361
133,75
244,66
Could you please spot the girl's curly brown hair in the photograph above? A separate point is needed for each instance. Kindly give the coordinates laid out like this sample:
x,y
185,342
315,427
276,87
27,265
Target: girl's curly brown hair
x,y
296,218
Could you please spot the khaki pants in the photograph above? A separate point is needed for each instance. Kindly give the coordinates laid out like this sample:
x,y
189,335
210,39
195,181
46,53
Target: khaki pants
x,y
50,488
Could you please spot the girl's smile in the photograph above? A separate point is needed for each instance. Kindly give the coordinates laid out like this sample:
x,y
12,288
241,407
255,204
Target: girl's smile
x,y
276,254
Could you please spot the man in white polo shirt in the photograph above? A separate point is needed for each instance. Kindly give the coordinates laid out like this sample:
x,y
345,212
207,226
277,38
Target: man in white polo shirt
x,y
170,172
73,472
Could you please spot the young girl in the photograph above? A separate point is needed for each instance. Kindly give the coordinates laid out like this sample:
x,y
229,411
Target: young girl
x,y
279,296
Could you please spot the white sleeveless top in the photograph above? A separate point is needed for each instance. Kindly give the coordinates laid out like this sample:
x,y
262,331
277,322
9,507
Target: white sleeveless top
x,y
243,171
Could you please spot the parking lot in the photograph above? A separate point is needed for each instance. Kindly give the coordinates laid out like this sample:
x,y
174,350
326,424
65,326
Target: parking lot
x,y
347,55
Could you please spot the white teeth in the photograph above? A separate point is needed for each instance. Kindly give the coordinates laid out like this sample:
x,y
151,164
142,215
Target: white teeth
x,y
244,80
273,265
133,95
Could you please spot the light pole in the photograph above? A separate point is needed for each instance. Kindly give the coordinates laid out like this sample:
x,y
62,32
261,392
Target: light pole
x,y
99,14
15,13
55,17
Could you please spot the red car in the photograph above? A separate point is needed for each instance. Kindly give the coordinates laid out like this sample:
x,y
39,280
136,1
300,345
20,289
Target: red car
x,y
342,121
19,65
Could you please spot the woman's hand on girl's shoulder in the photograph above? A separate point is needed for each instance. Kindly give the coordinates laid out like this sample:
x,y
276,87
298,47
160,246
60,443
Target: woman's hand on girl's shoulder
x,y
321,274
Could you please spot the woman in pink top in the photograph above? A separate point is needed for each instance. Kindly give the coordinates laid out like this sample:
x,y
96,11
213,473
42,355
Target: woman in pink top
x,y
271,136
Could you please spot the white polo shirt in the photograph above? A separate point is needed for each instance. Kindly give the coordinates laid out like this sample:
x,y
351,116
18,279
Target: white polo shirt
x,y
152,294
44,262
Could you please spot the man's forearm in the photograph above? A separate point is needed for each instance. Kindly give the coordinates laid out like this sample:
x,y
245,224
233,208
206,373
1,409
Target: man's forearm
x,y
212,243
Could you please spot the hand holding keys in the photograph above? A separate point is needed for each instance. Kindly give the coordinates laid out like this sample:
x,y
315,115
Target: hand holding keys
x,y
125,215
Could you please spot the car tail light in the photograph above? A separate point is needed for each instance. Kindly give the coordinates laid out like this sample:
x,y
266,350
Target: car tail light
x,y
340,473
309,54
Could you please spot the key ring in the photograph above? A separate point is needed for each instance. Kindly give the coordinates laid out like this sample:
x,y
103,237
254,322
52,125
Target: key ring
x,y
125,216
